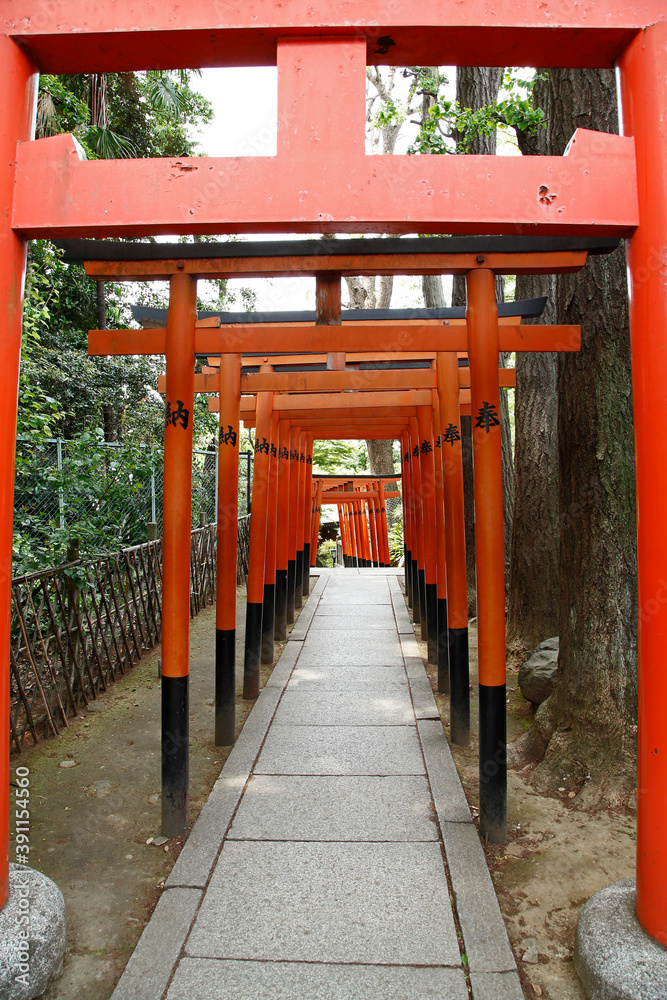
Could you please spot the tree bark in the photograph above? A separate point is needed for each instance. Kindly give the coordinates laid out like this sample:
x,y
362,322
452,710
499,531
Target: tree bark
x,y
533,591
589,722
381,457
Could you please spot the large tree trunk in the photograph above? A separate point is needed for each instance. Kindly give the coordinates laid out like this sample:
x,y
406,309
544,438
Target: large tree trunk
x,y
533,591
589,722
381,457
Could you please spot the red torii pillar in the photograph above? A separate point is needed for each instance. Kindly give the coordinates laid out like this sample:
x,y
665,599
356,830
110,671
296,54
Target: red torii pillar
x,y
407,517
427,463
295,437
316,523
372,525
176,534
441,555
256,557
455,547
482,317
643,76
307,516
269,601
300,517
282,541
17,119
227,550
418,513
383,532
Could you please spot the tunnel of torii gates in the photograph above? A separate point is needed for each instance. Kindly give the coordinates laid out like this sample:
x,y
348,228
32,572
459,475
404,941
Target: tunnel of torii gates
x,y
290,409
321,181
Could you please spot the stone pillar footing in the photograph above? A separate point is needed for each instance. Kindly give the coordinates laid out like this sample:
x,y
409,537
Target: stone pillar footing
x,y
614,956
32,934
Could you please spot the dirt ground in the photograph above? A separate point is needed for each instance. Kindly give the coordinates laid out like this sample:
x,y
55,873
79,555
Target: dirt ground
x,y
556,857
91,823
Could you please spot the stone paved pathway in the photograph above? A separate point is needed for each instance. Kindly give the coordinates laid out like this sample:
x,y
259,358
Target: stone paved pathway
x,y
318,869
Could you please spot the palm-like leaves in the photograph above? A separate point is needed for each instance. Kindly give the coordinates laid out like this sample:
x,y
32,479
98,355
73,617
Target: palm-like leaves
x,y
108,145
165,95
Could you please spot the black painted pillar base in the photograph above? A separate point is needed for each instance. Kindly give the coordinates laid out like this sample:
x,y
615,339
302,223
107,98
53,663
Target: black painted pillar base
x,y
268,616
305,589
175,755
407,569
443,647
291,576
298,580
459,686
432,622
280,624
225,687
253,645
493,764
423,618
416,610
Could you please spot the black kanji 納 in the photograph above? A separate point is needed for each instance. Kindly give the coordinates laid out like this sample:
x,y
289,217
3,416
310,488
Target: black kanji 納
x,y
229,436
178,416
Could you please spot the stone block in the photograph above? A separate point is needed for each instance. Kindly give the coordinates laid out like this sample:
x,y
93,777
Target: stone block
x,y
316,902
360,808
484,934
343,750
229,980
152,962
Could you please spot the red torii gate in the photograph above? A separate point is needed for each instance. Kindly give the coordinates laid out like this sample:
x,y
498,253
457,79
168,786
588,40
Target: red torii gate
x,y
321,181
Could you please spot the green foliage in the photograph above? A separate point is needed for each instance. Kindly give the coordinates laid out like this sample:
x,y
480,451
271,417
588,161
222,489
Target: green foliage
x,y
103,495
450,128
395,532
63,391
339,457
447,121
146,114
325,552
389,115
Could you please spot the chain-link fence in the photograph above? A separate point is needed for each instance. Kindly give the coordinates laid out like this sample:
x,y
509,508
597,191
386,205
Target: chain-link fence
x,y
102,494
394,509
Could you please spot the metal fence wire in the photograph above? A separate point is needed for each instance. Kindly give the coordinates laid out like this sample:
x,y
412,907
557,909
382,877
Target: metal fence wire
x,y
112,490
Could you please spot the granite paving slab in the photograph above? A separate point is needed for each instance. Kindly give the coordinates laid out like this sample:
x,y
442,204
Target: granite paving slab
x,y
211,979
360,654
333,623
304,707
340,677
341,750
317,902
355,610
359,808
362,594
376,645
